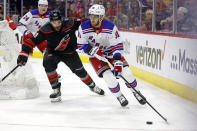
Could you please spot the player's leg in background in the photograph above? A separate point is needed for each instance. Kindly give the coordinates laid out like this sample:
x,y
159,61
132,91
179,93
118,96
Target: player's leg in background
x,y
103,70
74,63
128,75
50,63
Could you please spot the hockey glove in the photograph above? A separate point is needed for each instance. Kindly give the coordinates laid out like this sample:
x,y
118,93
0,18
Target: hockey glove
x,y
96,52
11,23
118,65
27,35
22,58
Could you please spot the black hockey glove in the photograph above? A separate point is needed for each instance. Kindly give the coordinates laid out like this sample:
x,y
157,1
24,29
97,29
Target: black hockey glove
x,y
22,58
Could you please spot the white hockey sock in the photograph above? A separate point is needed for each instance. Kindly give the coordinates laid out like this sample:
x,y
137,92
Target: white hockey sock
x,y
128,75
112,83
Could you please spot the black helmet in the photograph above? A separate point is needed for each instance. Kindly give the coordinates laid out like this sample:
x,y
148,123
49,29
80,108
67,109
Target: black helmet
x,y
55,15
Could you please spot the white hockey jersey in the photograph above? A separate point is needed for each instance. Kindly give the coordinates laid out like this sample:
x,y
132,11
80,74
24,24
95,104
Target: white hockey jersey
x,y
106,38
32,21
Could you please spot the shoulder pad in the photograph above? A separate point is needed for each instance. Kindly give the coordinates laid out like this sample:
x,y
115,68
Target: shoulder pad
x,y
47,28
76,19
67,19
86,24
48,12
108,24
67,23
34,12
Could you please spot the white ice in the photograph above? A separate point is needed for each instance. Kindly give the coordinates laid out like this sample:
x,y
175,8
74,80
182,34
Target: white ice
x,y
82,110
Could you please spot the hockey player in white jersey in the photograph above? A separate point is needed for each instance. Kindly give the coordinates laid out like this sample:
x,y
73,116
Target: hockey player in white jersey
x,y
32,21
24,84
99,38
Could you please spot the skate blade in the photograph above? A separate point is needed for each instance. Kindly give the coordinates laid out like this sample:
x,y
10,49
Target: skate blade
x,y
124,104
54,100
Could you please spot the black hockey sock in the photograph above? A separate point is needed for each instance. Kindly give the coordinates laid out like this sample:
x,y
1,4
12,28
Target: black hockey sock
x,y
88,81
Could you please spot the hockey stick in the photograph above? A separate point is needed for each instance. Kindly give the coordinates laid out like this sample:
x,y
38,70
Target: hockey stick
x,y
105,60
9,73
144,99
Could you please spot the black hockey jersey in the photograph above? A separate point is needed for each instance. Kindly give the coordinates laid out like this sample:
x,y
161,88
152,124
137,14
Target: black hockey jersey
x,y
63,41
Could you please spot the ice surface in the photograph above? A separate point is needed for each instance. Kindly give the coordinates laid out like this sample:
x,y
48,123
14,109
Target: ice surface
x,y
82,110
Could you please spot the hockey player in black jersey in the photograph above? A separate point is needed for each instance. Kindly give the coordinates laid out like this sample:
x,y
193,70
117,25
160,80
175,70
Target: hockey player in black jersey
x,y
61,46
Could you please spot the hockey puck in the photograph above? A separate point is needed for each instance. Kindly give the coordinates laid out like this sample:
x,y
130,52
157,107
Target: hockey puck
x,y
149,122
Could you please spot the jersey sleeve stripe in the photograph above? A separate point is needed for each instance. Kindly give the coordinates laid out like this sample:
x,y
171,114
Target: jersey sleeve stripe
x,y
29,43
23,54
20,24
79,46
46,32
88,29
87,32
106,32
117,47
69,26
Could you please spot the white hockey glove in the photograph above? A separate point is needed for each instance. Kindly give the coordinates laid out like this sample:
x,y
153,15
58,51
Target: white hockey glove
x,y
96,52
118,65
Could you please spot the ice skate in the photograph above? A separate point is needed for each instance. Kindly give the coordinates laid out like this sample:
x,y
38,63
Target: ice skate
x,y
123,101
97,90
56,95
141,100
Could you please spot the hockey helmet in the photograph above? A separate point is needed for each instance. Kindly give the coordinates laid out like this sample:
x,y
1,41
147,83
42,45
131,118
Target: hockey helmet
x,y
42,2
55,15
97,9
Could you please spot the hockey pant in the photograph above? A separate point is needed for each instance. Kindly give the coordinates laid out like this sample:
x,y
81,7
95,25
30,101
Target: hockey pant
x,y
72,60
103,70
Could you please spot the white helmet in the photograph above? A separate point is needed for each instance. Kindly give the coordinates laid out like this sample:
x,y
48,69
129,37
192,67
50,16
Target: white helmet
x,y
97,9
182,10
42,2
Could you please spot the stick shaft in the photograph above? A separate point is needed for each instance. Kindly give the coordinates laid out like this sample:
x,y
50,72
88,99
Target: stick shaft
x,y
9,73
144,99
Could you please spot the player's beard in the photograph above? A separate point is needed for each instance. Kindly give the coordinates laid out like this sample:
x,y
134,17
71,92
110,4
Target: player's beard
x,y
97,25
57,25
58,28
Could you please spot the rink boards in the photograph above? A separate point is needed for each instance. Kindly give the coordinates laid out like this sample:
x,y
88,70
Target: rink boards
x,y
169,62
